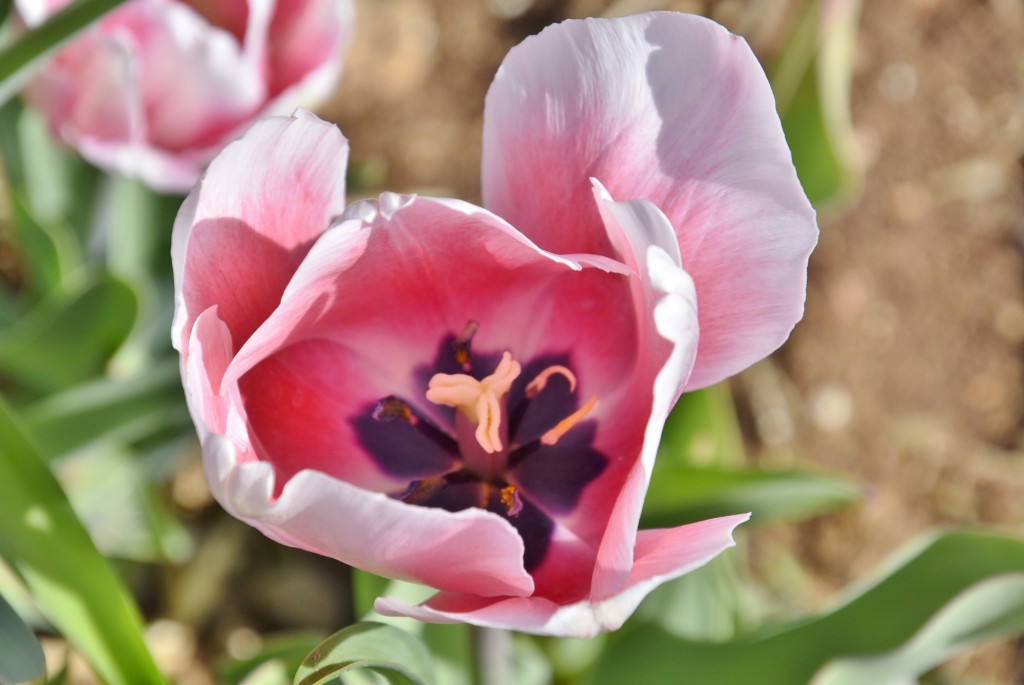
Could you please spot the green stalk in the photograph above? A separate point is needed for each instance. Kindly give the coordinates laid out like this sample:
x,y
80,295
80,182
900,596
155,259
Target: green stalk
x,y
491,653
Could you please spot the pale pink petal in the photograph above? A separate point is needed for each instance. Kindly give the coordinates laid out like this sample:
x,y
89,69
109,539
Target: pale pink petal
x,y
306,35
425,267
196,83
673,109
386,295
229,15
661,555
666,295
249,223
300,404
202,372
471,551
393,278
109,110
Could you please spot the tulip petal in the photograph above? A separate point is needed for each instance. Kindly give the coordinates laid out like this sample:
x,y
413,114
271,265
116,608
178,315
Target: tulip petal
x,y
469,551
425,266
241,233
110,110
638,230
306,36
196,83
151,90
203,370
230,15
422,266
673,109
661,555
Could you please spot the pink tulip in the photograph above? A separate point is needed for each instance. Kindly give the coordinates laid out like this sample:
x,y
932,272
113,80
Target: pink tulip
x,y
472,398
157,87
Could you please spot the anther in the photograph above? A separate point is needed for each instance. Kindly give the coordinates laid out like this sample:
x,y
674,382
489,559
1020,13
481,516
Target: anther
x,y
541,380
393,409
461,345
420,491
510,498
566,424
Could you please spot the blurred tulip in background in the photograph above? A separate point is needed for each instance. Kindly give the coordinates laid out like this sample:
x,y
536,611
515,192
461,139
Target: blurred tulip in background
x,y
157,87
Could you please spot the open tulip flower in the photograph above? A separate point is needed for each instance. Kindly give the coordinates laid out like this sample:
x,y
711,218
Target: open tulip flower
x,y
472,398
157,87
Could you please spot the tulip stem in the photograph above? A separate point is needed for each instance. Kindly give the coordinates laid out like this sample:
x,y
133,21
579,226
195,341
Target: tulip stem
x,y
491,648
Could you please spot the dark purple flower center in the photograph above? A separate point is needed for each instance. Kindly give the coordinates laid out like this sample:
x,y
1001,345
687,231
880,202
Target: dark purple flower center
x,y
510,438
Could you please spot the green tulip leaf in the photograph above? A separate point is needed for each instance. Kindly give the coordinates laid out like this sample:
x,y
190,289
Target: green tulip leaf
x,y
21,658
286,650
680,495
122,409
811,80
397,656
909,618
991,609
43,540
70,336
702,430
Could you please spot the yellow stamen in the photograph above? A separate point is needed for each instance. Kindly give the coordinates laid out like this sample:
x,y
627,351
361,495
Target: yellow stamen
x,y
513,505
480,401
566,424
462,344
540,382
394,409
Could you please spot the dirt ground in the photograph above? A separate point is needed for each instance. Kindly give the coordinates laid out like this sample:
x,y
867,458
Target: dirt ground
x,y
906,371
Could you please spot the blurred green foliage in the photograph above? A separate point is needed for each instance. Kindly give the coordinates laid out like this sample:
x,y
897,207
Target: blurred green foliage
x,y
44,541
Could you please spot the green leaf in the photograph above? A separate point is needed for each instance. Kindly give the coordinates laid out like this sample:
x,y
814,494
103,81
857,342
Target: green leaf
x,y
49,171
122,409
397,656
21,658
19,59
288,650
366,587
811,80
117,502
49,254
881,619
71,583
5,11
40,184
993,608
710,603
702,430
680,495
69,336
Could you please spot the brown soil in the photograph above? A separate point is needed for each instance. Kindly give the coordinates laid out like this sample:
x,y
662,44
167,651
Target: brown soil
x,y
906,371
